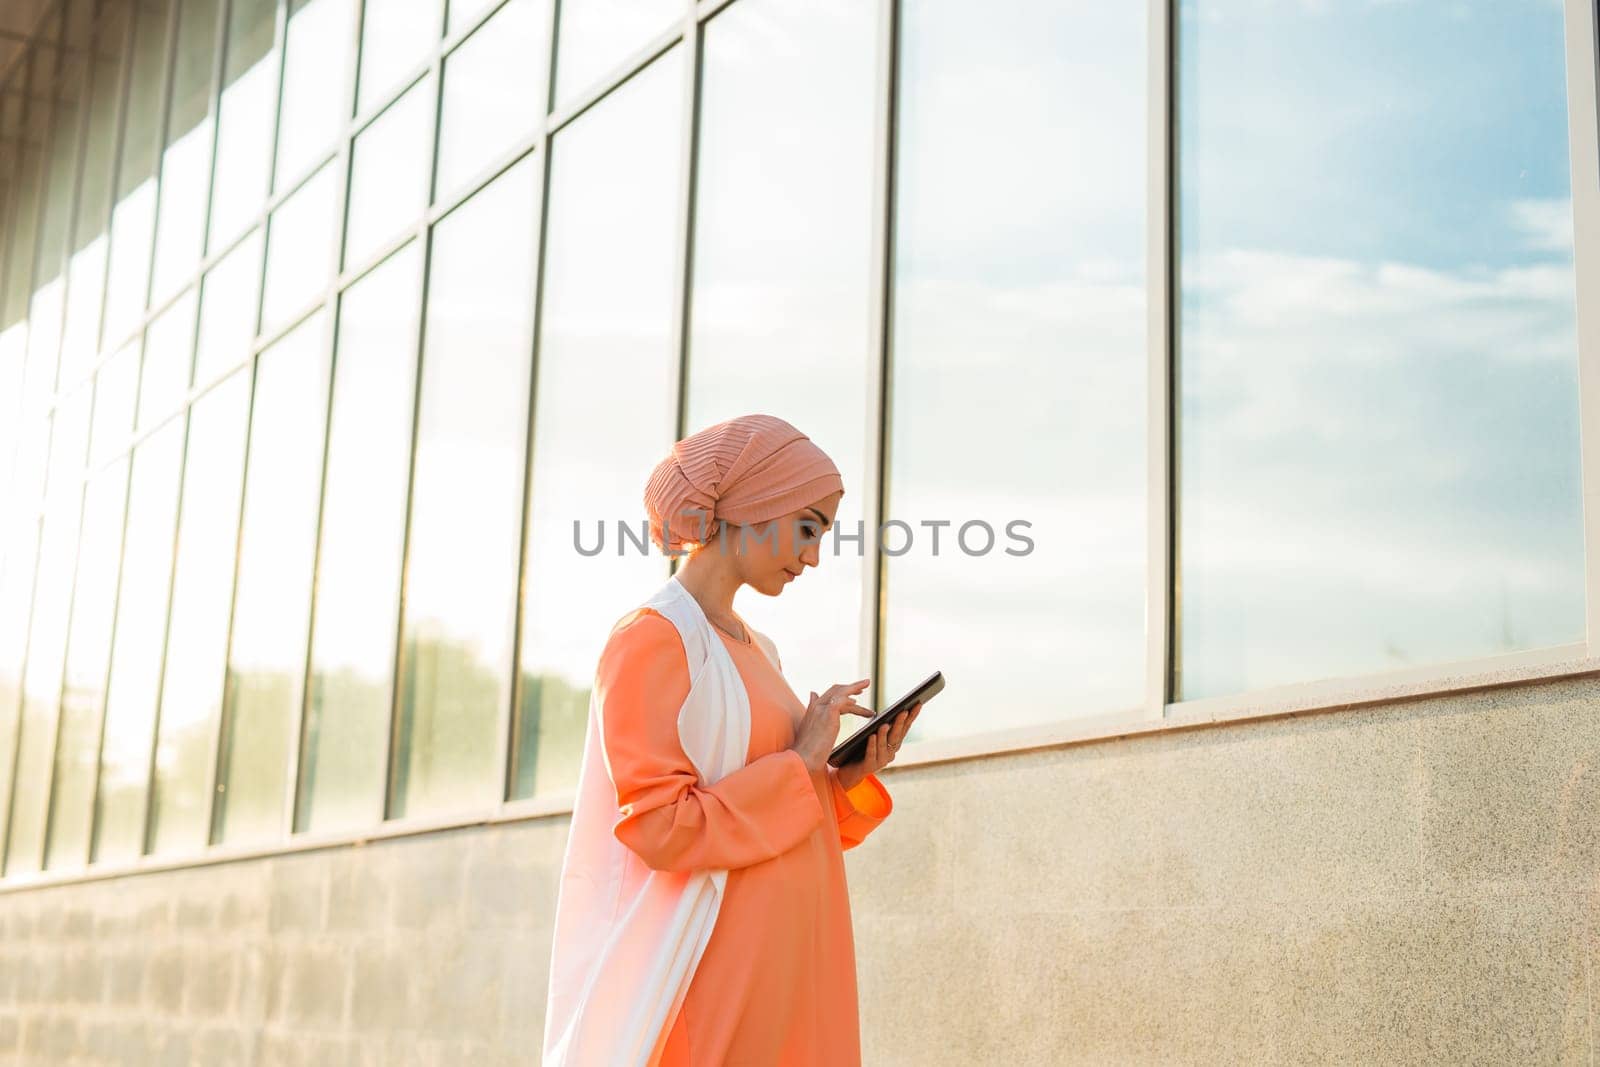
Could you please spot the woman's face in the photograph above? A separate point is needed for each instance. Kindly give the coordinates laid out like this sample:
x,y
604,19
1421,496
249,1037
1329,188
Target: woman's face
x,y
773,554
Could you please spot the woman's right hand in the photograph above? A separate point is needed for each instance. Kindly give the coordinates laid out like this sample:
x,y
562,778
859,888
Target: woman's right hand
x,y
819,729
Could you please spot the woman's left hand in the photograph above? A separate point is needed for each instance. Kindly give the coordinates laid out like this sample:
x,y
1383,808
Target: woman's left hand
x,y
882,747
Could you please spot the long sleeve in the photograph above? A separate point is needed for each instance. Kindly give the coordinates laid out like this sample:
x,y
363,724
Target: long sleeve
x,y
859,810
671,822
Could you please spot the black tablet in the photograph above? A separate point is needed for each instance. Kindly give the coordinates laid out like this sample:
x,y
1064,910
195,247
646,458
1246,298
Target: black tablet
x,y
854,747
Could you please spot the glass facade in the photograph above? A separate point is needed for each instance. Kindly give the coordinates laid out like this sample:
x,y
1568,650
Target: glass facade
x,y
338,339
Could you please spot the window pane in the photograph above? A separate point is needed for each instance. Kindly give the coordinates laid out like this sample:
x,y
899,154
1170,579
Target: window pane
x,y
244,131
44,342
396,37
168,354
390,171
493,85
1379,389
88,657
115,383
133,218
466,509
61,165
136,648
186,163
316,84
780,321
363,525
597,35
86,269
47,643
608,317
267,656
228,310
33,186
197,635
1019,258
16,607
300,249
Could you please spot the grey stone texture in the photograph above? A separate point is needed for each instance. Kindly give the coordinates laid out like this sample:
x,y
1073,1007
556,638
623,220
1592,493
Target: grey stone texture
x,y
1413,883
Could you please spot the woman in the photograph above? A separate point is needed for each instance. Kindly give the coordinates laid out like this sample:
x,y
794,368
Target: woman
x,y
703,916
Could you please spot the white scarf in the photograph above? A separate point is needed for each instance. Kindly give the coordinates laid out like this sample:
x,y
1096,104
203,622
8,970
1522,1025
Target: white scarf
x,y
620,963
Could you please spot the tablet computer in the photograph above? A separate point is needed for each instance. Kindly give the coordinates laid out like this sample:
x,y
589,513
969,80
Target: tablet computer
x,y
854,747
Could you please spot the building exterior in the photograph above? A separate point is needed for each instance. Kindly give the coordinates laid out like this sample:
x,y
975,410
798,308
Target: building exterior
x,y
1217,389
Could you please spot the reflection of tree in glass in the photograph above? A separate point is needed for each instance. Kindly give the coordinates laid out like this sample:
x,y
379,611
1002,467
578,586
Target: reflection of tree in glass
x,y
444,752
550,746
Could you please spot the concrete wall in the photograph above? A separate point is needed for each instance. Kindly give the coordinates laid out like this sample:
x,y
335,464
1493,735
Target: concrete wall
x,y
1417,883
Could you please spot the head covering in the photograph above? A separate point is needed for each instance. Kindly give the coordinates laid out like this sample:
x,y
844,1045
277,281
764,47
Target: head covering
x,y
745,470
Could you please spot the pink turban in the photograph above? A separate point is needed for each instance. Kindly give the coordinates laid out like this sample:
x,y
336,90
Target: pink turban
x,y
746,470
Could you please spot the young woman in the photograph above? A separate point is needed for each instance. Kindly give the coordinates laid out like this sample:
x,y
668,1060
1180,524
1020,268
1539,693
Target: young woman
x,y
703,916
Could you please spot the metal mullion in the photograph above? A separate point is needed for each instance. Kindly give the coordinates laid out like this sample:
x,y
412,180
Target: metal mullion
x,y
1583,118
885,162
22,702
174,17
110,653
449,42
113,180
40,214
219,70
555,122
1161,494
68,240
166,632
688,179
40,199
183,456
508,736
619,75
330,336
119,136
218,729
386,799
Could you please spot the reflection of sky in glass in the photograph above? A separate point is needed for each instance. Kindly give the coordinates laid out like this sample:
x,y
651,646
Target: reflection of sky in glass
x,y
228,310
88,652
197,635
137,644
44,343
115,383
389,174
608,316
1018,371
596,35
467,496
494,89
316,84
272,600
781,317
302,242
80,332
1378,431
363,522
168,356
395,35
245,122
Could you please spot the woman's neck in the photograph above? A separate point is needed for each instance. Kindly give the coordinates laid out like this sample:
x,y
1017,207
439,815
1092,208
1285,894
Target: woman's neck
x,y
712,581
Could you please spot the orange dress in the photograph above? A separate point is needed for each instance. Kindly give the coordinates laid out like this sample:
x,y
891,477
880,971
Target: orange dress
x,y
777,982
